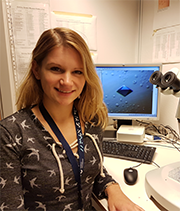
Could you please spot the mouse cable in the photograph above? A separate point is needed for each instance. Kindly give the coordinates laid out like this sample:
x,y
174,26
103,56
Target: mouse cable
x,y
136,166
144,163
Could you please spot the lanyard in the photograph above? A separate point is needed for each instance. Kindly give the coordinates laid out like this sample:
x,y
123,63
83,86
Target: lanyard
x,y
78,170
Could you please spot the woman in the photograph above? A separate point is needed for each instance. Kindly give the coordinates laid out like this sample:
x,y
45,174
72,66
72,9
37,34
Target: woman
x,y
51,156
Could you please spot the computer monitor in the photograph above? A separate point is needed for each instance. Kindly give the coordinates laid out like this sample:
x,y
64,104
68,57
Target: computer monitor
x,y
128,93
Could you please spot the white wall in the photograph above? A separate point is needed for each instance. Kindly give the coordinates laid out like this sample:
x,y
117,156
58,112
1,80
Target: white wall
x,y
117,26
117,34
151,18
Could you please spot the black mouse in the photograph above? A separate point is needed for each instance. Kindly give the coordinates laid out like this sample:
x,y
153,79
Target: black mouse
x,y
130,176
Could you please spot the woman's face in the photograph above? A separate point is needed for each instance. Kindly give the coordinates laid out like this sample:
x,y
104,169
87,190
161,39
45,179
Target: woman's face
x,y
61,75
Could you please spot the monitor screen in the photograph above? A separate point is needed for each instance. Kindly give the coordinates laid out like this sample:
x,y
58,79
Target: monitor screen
x,y
128,94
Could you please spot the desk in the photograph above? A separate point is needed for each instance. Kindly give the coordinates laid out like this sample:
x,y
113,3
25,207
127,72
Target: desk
x,y
137,193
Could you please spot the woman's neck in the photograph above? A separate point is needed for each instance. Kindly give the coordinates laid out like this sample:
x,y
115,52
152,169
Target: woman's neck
x,y
59,113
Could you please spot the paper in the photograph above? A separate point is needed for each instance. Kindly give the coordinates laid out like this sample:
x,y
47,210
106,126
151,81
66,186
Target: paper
x,y
85,25
29,20
163,4
166,45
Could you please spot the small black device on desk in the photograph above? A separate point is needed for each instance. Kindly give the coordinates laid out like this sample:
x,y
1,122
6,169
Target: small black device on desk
x,y
130,176
113,148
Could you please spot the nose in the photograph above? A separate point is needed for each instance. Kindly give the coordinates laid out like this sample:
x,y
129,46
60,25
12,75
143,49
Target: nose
x,y
66,79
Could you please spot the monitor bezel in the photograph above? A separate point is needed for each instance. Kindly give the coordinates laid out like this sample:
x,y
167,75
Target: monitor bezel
x,y
136,117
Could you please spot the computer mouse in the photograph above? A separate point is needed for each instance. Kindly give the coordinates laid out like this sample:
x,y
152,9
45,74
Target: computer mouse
x,y
130,176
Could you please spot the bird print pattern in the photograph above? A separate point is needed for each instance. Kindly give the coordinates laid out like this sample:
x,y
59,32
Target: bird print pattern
x,y
30,177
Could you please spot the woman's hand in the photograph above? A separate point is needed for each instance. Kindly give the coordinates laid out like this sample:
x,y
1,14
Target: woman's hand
x,y
118,201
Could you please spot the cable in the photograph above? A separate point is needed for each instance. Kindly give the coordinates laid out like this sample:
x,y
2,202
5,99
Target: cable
x,y
137,165
158,130
166,133
144,163
156,164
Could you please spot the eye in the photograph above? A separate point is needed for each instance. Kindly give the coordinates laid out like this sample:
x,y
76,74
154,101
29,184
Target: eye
x,y
78,72
56,69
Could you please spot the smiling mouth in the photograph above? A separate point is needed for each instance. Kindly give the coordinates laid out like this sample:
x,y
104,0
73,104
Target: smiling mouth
x,y
65,92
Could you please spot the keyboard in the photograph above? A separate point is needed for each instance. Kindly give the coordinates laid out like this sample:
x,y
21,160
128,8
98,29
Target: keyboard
x,y
127,151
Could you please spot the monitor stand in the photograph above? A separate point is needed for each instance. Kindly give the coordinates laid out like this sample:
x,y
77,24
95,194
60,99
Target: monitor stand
x,y
123,122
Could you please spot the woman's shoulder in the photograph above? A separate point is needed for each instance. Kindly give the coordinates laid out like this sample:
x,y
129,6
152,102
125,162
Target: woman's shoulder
x,y
93,128
19,118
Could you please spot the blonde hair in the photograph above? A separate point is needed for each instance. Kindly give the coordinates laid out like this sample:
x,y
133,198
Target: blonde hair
x,y
90,106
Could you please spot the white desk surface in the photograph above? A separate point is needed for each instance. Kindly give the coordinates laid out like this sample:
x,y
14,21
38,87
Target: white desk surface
x,y
137,193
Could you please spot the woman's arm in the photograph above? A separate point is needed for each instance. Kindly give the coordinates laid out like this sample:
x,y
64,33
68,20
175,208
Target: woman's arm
x,y
10,173
118,201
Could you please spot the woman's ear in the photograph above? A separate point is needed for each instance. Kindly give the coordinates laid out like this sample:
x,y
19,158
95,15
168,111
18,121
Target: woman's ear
x,y
36,70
